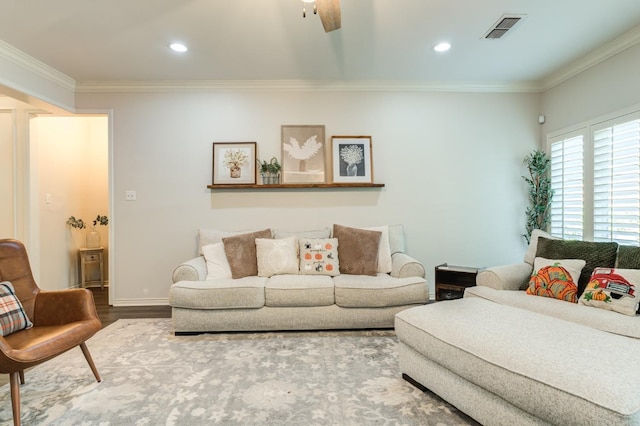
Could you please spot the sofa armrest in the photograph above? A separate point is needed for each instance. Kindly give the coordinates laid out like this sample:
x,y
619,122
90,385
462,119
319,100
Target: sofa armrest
x,y
191,270
507,277
404,266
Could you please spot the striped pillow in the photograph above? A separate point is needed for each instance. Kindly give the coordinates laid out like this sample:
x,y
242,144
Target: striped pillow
x,y
12,316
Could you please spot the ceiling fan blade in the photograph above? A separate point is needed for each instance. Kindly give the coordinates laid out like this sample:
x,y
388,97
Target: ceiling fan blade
x,y
329,11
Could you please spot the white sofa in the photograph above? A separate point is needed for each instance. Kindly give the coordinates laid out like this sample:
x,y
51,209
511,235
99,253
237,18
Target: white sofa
x,y
505,357
295,301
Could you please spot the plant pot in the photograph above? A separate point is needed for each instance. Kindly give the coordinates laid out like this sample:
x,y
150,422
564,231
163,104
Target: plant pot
x,y
270,178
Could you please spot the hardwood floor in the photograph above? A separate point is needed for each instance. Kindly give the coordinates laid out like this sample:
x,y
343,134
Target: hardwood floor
x,y
109,314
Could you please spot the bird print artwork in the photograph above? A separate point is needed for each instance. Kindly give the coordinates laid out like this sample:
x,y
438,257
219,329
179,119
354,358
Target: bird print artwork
x,y
302,153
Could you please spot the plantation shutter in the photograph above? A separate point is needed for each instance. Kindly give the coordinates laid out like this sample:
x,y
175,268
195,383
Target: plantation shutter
x,y
567,182
616,190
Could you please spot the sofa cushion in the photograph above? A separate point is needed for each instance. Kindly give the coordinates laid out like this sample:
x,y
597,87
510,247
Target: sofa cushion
x,y
276,256
314,233
599,319
550,368
217,263
556,278
613,289
364,291
299,290
358,250
628,257
319,256
595,254
241,253
530,255
225,293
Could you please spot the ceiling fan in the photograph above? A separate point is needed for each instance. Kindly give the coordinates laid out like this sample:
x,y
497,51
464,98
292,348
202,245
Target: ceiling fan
x,y
329,11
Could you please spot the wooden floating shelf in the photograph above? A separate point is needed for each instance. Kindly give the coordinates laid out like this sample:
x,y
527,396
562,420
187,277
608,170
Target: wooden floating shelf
x,y
299,186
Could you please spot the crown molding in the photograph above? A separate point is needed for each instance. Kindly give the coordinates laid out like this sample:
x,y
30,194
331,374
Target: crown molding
x,y
299,86
30,63
604,52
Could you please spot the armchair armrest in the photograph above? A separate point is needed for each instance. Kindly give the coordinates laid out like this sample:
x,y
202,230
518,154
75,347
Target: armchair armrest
x,y
191,270
507,277
404,266
60,307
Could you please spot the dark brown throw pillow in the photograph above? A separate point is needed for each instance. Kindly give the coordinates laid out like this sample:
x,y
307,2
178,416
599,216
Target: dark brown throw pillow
x,y
241,253
357,250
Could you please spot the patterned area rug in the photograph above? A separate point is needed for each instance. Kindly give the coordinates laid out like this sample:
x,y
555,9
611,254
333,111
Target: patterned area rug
x,y
151,377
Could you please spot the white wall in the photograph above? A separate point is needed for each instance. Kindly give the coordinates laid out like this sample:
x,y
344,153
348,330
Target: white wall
x,y
451,162
605,88
72,166
7,171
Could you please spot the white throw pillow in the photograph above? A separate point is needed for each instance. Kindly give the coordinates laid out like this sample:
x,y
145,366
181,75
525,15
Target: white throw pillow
x,y
217,263
385,265
319,256
276,256
613,289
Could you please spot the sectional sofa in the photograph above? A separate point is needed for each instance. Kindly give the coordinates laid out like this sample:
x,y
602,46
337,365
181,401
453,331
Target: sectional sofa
x,y
504,355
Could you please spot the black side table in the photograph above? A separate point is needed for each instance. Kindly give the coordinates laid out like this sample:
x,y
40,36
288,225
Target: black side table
x,y
452,280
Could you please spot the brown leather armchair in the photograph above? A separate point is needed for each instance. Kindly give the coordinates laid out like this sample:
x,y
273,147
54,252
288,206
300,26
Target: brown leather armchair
x,y
61,320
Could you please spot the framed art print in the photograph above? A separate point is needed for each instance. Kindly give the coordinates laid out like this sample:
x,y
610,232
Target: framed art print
x,y
352,159
303,154
234,163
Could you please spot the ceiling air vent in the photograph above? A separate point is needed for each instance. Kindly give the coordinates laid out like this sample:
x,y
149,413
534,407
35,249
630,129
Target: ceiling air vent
x,y
504,24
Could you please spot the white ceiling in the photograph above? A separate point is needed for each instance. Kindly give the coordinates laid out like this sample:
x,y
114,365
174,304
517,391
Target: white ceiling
x,y
388,40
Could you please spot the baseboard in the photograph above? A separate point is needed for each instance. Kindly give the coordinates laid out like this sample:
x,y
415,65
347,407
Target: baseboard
x,y
141,302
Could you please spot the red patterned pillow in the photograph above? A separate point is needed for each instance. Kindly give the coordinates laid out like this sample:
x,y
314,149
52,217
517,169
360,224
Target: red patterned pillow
x,y
556,278
613,289
12,315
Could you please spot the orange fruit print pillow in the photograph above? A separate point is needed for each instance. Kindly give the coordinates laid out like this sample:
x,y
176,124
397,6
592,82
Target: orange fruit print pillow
x,y
556,279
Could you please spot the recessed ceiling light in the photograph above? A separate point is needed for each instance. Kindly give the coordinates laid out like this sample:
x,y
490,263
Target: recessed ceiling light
x,y
442,47
178,47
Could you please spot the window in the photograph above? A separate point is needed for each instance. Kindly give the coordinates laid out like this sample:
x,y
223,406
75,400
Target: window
x,y
616,183
595,174
567,182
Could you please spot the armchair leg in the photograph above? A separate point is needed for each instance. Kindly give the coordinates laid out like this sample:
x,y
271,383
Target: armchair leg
x,y
15,396
22,377
87,355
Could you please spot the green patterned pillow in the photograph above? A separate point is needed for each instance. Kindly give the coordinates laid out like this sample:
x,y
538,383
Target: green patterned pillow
x,y
629,257
596,255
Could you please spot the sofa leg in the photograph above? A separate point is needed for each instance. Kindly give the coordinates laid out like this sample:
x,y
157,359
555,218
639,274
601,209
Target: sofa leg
x,y
414,382
15,396
87,355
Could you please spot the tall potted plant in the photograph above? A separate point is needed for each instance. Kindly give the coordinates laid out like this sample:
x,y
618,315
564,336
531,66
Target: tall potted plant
x,y
538,213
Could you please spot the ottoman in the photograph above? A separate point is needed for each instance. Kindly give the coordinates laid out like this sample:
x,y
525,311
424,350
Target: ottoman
x,y
505,365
